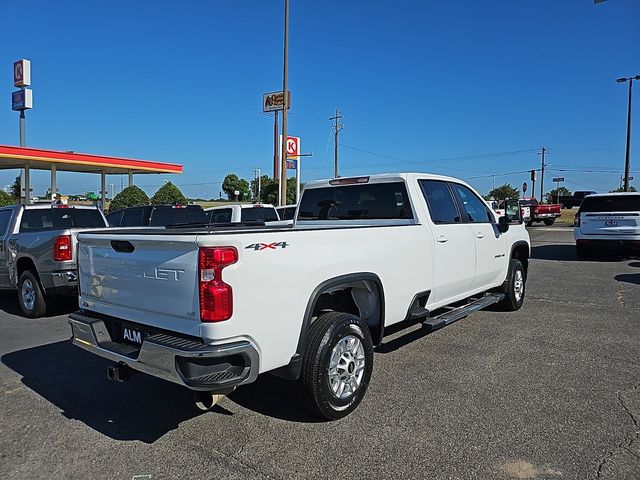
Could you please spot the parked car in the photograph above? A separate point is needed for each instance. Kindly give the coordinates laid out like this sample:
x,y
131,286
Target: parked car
x,y
242,213
608,222
216,307
287,212
575,200
157,216
37,251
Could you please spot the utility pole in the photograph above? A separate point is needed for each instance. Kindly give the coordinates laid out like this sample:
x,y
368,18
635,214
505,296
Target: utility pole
x,y
544,150
626,159
337,126
276,159
285,73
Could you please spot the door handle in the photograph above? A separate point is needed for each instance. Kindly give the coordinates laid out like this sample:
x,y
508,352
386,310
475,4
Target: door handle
x,y
442,239
479,235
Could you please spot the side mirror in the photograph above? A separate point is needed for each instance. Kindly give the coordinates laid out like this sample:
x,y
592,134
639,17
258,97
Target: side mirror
x,y
512,211
503,224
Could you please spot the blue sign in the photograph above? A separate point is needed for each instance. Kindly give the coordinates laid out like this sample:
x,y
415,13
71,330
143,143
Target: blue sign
x,y
292,164
17,100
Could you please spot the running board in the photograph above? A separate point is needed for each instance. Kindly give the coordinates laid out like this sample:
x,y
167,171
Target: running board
x,y
451,316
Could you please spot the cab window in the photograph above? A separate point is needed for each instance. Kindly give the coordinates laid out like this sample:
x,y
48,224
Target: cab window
x,y
473,208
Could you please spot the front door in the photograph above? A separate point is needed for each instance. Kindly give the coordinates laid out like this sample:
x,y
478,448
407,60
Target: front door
x,y
490,245
454,249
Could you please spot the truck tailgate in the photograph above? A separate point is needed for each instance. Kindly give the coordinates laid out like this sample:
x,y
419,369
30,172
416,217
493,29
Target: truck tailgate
x,y
148,279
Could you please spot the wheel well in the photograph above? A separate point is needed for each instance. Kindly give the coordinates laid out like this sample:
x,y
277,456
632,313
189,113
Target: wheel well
x,y
25,263
521,252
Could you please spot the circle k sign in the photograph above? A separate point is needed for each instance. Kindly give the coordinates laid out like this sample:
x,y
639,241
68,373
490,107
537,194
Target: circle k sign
x,y
293,147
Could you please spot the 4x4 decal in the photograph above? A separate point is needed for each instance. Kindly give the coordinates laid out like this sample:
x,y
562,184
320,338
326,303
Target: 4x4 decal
x,y
266,246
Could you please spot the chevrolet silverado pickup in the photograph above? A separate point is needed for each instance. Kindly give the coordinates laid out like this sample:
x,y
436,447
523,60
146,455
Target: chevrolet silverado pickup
x,y
37,251
212,307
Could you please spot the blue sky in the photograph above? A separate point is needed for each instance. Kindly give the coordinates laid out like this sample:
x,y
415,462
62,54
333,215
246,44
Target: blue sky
x,y
424,86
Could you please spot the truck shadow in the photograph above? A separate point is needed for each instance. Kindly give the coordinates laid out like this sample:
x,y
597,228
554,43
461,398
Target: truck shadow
x,y
628,278
567,252
57,306
75,381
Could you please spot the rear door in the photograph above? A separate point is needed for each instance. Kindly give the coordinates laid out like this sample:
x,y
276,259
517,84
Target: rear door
x,y
610,215
454,247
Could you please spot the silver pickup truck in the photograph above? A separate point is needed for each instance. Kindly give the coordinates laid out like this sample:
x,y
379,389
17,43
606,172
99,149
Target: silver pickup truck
x,y
37,251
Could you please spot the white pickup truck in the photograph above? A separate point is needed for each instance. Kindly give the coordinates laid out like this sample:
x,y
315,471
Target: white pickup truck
x,y
213,307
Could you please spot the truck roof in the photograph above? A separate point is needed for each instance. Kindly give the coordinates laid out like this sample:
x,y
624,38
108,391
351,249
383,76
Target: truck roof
x,y
48,205
379,178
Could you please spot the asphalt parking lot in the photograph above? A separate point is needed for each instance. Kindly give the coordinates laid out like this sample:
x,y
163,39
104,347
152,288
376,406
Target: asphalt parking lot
x,y
551,391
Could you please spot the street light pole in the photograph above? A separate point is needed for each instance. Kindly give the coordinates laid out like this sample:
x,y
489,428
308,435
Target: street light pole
x,y
627,153
285,79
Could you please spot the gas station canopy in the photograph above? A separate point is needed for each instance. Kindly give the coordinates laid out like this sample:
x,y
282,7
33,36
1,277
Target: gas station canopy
x,y
39,159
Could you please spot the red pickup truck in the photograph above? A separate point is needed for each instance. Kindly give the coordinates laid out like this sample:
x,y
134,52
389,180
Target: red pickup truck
x,y
541,212
532,211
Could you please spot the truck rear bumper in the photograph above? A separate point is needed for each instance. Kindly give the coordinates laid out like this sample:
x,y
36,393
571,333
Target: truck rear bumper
x,y
181,360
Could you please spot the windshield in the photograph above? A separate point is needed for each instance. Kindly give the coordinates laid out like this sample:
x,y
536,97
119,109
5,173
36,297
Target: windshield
x,y
613,203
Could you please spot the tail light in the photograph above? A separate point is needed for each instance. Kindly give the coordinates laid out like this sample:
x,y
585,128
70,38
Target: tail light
x,y
62,250
576,220
216,297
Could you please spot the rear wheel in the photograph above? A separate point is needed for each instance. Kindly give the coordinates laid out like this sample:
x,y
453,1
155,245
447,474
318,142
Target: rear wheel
x,y
549,222
336,366
30,296
513,287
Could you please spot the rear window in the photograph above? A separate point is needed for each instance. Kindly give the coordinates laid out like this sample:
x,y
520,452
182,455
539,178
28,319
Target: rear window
x,y
164,216
375,201
613,203
133,218
259,214
40,219
287,213
87,218
222,215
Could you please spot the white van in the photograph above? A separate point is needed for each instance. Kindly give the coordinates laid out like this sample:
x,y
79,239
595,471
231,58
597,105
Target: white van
x,y
608,222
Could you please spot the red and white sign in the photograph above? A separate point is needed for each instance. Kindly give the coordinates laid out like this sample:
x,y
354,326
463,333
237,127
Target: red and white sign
x,y
22,73
293,147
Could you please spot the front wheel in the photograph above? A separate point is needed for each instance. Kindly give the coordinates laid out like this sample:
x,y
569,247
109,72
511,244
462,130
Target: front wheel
x,y
30,295
549,222
336,366
513,287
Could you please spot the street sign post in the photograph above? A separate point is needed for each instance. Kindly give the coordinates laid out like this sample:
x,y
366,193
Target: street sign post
x,y
558,180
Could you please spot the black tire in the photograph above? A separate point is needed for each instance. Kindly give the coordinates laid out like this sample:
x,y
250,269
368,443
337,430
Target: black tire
x,y
514,291
549,222
30,295
529,223
314,385
582,251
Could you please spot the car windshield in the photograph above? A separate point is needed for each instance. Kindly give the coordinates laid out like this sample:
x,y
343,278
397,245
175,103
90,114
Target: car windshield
x,y
612,203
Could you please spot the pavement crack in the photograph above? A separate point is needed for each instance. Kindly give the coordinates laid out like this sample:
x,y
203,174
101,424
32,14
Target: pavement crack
x,y
626,444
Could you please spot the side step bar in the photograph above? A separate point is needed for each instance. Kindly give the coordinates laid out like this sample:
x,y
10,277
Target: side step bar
x,y
451,316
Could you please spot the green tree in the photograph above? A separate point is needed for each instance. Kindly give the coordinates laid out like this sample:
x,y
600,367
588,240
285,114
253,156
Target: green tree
x,y
16,188
6,199
504,191
131,196
231,183
552,196
621,189
270,192
168,194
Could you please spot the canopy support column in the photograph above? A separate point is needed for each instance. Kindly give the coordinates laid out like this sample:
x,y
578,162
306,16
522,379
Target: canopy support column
x,y
103,190
27,185
54,186
130,178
